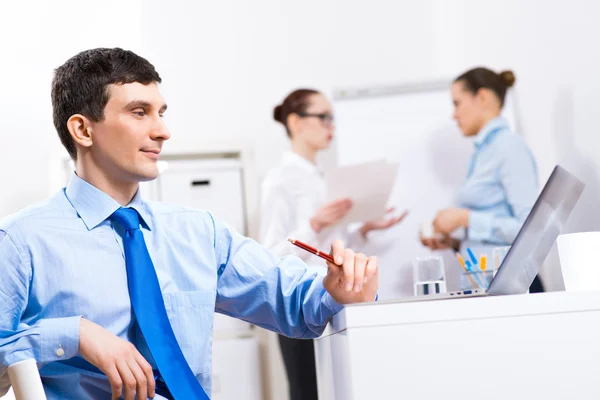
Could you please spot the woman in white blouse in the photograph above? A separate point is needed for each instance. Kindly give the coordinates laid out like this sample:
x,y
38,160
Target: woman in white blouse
x,y
294,205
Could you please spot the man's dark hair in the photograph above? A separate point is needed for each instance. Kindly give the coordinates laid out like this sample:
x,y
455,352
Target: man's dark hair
x,y
80,85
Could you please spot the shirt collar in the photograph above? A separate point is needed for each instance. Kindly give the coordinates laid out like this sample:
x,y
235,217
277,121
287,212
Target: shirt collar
x,y
498,123
94,206
291,158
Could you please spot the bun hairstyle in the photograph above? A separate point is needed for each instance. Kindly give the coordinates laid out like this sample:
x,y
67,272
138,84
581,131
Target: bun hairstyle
x,y
295,103
478,78
508,77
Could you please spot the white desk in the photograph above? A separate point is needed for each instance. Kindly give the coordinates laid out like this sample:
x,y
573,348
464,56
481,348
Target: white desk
x,y
535,346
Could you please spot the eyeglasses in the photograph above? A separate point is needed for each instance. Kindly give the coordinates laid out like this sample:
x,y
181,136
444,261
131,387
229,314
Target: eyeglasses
x,y
326,119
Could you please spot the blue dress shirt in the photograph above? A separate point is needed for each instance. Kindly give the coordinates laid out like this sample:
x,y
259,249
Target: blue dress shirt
x,y
63,259
501,186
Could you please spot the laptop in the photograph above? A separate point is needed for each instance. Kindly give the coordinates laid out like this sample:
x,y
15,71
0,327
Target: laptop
x,y
533,243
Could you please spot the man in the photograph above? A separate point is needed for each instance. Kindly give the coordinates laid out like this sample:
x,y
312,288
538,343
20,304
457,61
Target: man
x,y
114,295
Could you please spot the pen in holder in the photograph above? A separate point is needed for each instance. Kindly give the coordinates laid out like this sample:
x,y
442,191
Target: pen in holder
x,y
475,279
475,273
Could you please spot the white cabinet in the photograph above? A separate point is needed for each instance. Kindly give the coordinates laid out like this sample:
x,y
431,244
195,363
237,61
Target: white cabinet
x,y
236,369
210,184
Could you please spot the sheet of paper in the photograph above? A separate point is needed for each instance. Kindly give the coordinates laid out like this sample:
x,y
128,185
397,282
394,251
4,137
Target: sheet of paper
x,y
368,185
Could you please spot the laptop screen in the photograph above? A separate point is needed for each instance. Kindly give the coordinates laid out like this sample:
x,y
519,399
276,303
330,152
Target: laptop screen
x,y
538,233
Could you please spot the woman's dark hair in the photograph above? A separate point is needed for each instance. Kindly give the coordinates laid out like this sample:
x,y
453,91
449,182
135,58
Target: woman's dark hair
x,y
295,103
80,85
478,78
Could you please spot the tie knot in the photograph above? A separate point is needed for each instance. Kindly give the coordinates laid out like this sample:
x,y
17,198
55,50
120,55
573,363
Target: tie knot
x,y
128,218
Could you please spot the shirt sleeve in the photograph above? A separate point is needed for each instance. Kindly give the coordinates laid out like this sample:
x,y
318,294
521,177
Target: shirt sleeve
x,y
45,341
518,176
284,216
282,295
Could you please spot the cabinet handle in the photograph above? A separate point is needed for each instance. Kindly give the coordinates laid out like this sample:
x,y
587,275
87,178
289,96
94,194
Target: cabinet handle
x,y
201,183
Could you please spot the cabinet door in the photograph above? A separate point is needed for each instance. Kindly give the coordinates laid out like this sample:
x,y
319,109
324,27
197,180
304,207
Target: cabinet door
x,y
213,185
236,369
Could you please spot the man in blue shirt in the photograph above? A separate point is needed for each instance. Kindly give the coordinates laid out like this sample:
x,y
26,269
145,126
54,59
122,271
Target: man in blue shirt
x,y
97,283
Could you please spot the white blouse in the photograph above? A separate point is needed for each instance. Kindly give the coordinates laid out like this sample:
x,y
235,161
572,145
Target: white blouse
x,y
291,194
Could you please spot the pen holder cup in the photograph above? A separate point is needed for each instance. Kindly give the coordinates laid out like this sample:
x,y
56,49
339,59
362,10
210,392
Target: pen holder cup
x,y
475,279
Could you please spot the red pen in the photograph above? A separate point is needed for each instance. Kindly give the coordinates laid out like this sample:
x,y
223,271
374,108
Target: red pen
x,y
312,250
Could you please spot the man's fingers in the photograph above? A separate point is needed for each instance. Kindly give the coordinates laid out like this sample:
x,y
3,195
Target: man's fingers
x,y
148,373
337,252
141,382
348,269
116,384
129,383
360,262
370,269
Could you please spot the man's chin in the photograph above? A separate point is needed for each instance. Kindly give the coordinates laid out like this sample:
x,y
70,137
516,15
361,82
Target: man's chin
x,y
148,178
148,175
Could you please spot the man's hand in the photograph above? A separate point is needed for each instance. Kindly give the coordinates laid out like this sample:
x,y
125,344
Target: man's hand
x,y
120,361
353,278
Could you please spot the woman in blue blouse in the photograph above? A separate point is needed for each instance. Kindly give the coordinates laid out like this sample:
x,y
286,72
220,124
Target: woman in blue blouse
x,y
501,185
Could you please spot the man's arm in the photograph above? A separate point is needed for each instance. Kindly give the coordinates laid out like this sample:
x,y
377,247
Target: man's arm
x,y
53,339
45,341
284,295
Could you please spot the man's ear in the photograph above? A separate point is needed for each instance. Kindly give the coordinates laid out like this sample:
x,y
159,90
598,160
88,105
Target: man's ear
x,y
81,130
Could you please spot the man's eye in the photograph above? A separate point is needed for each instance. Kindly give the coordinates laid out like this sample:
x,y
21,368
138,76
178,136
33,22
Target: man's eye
x,y
139,113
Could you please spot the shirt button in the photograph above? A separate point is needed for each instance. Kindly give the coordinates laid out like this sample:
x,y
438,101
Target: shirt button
x,y
60,352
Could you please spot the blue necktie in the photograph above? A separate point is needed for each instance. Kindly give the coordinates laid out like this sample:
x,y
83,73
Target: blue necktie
x,y
149,308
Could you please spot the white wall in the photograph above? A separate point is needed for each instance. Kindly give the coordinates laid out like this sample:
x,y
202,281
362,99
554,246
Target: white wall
x,y
226,64
35,38
550,46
